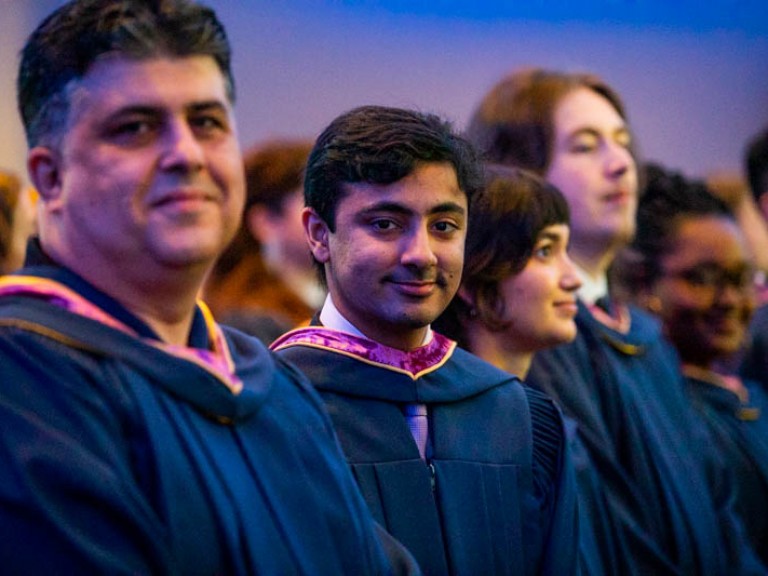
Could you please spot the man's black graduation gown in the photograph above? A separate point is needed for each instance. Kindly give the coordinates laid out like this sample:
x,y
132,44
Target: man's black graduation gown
x,y
120,458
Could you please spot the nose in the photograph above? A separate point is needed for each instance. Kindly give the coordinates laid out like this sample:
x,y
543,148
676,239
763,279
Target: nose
x,y
569,277
182,148
730,294
619,160
417,250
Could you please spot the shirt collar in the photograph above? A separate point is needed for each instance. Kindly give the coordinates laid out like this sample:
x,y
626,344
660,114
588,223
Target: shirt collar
x,y
330,317
591,288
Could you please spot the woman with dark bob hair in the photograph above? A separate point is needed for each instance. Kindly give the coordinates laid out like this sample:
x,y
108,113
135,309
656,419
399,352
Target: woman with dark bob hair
x,y
518,286
517,297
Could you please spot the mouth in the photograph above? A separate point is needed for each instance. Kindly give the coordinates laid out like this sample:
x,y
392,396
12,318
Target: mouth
x,y
730,325
416,288
618,197
183,199
567,307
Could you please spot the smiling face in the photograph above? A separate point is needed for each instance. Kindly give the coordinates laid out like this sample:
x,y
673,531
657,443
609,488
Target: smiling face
x,y
593,167
540,301
395,260
148,177
705,291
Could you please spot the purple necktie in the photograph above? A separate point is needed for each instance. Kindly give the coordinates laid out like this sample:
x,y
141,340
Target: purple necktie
x,y
416,415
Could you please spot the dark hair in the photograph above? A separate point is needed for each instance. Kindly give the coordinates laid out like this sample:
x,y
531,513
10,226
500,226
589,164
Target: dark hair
x,y
756,161
273,170
381,145
514,123
67,43
10,189
505,222
668,198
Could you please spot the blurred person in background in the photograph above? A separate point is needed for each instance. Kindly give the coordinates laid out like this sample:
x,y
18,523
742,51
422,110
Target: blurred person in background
x,y
17,221
754,364
265,282
668,499
690,265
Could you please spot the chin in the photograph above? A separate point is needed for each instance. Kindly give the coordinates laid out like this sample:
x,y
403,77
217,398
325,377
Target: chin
x,y
189,257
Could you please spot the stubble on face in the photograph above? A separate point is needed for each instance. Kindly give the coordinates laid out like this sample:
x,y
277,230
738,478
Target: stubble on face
x,y
150,170
396,256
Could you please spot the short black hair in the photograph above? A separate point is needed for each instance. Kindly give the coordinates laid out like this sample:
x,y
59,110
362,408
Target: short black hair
x,y
68,42
668,198
505,224
382,145
756,164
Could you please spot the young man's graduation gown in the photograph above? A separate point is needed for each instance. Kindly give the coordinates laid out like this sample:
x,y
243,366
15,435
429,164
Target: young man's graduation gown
x,y
667,499
123,456
494,494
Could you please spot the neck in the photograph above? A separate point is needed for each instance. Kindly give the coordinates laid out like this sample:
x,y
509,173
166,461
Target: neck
x,y
595,261
496,348
163,297
166,308
404,341
332,317
709,375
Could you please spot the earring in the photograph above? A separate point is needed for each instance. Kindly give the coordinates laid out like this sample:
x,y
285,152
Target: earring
x,y
653,304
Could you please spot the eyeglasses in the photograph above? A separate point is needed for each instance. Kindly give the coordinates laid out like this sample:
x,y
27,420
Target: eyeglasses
x,y
714,279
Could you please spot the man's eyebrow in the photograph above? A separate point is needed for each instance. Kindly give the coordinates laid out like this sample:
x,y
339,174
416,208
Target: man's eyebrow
x,y
397,208
138,109
208,105
448,207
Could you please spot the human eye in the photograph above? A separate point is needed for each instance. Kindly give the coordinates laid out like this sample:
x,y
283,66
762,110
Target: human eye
x,y
543,250
131,130
209,123
624,138
744,277
584,143
446,226
702,276
383,224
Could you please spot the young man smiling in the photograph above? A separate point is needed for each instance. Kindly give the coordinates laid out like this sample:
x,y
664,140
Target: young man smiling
x,y
455,458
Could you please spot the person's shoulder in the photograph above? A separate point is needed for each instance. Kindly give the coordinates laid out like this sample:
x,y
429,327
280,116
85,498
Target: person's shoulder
x,y
644,320
249,351
263,367
549,439
480,369
759,323
545,413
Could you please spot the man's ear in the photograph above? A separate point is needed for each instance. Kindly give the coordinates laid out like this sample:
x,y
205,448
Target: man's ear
x,y
44,166
259,224
318,235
